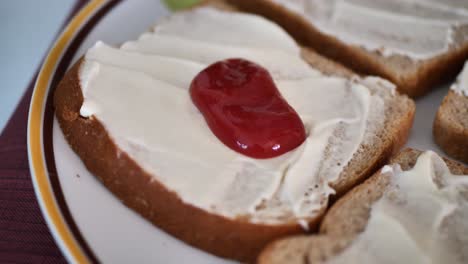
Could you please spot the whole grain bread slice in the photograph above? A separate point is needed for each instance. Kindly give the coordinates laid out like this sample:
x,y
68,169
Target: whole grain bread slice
x,y
451,126
231,238
413,77
345,220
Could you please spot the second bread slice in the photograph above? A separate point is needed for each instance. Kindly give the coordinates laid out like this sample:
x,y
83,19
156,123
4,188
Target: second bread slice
x,y
412,76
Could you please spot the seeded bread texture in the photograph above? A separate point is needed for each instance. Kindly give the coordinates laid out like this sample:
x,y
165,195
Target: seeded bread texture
x,y
344,221
413,77
230,238
451,126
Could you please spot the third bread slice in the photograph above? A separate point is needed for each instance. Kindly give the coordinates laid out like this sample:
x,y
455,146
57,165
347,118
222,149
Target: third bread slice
x,y
345,221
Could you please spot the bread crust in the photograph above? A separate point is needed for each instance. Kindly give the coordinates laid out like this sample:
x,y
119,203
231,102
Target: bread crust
x,y
344,221
450,128
230,238
413,77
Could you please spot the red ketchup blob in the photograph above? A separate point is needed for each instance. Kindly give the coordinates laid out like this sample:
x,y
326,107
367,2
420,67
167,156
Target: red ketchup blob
x,y
245,110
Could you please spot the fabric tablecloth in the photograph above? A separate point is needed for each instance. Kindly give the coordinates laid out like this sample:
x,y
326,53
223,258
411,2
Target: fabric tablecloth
x,y
24,235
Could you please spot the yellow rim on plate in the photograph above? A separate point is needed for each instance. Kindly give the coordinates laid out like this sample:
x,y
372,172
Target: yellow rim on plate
x,y
39,174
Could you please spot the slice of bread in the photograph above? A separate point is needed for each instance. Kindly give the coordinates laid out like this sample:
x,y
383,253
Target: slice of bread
x,y
346,219
412,77
237,238
451,126
451,122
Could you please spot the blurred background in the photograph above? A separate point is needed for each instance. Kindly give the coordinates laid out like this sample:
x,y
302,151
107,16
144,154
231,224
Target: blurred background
x,y
27,29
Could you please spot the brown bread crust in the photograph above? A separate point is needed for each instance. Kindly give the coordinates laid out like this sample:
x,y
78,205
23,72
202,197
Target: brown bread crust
x,y
412,77
451,126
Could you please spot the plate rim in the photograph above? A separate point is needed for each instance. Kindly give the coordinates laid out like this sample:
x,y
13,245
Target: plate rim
x,y
60,229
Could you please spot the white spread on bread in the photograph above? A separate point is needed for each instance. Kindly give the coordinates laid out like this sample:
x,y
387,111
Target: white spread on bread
x,y
422,218
419,29
140,94
461,85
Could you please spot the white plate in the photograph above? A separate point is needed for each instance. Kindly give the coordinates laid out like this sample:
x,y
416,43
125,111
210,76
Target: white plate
x,y
86,220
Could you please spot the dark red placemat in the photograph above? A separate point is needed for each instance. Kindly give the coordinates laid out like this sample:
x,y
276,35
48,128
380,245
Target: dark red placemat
x,y
24,236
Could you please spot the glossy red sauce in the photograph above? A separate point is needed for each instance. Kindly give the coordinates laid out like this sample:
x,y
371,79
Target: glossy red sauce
x,y
245,110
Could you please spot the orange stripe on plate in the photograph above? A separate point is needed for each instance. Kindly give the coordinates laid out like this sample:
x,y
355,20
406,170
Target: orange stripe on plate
x,y
36,154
